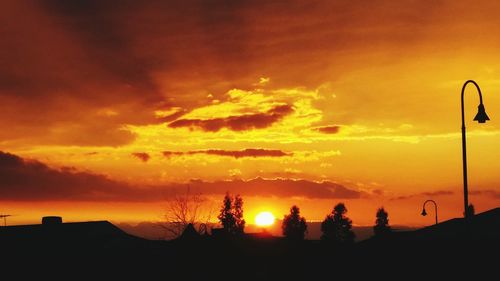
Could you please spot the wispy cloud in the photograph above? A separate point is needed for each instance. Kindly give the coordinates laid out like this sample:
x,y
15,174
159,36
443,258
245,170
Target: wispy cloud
x,y
487,192
249,152
427,194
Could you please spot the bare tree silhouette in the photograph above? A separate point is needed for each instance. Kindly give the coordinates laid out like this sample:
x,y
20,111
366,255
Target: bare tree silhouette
x,y
184,209
294,226
337,226
382,227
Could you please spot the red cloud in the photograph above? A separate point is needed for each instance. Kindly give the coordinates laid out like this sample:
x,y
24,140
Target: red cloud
x,y
136,69
237,123
144,157
333,129
249,152
278,187
488,192
31,180
427,194
173,153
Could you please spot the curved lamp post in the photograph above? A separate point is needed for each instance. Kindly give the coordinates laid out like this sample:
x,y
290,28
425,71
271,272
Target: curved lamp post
x,y
424,213
481,117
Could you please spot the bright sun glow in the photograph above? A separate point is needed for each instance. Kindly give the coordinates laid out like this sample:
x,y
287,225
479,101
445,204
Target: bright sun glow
x,y
264,219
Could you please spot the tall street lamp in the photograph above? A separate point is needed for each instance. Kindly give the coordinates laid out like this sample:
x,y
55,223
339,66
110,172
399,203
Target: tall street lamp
x,y
424,213
481,117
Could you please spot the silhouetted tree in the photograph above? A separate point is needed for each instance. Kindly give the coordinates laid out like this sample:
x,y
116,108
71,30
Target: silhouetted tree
x,y
184,209
381,223
238,214
231,214
470,211
226,216
294,226
337,227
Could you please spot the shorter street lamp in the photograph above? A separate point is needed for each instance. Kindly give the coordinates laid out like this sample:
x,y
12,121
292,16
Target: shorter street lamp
x,y
424,213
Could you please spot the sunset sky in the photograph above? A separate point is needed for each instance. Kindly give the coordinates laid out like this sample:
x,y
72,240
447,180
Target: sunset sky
x,y
110,108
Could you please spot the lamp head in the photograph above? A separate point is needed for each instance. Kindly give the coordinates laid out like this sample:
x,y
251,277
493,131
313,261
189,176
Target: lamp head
x,y
481,116
424,213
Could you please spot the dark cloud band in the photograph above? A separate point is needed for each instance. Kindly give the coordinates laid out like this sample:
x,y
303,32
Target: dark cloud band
x,y
31,180
237,123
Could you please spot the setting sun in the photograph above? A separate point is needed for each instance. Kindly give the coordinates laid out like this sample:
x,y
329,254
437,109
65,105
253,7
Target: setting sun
x,y
264,219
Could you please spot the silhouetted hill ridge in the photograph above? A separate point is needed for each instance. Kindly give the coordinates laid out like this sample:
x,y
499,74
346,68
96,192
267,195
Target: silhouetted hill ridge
x,y
153,231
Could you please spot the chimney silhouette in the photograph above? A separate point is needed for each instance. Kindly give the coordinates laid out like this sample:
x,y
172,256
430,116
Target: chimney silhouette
x,y
51,220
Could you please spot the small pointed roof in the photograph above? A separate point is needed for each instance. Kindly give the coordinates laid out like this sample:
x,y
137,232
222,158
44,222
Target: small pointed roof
x,y
189,232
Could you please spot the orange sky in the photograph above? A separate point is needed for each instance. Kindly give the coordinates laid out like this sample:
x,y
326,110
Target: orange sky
x,y
109,108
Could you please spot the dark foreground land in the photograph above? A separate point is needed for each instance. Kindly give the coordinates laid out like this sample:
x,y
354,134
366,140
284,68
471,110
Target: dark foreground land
x,y
98,250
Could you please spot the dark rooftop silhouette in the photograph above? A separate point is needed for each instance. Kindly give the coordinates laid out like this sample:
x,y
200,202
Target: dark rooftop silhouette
x,y
102,247
189,233
53,235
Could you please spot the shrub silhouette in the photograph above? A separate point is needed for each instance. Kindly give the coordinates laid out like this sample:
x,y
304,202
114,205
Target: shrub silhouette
x,y
337,227
231,215
382,227
294,226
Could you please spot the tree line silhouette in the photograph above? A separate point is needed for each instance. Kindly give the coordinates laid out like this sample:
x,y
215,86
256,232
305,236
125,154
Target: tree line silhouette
x,y
186,210
336,228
